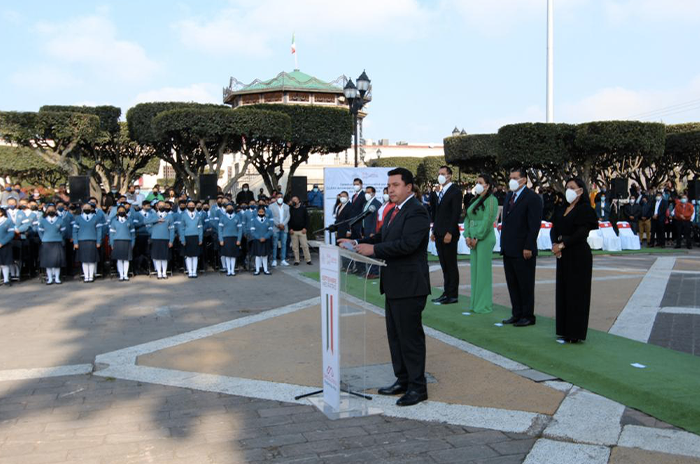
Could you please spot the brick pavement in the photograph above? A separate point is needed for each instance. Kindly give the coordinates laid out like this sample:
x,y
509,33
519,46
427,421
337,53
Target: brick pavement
x,y
90,420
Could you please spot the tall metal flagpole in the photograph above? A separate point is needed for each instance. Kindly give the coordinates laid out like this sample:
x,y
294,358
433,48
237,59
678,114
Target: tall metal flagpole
x,y
550,60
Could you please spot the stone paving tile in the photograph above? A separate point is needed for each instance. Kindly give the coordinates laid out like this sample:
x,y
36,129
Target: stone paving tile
x,y
682,290
156,424
634,417
680,332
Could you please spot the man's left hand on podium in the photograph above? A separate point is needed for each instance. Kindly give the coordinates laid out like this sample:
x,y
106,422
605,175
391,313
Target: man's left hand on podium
x,y
365,249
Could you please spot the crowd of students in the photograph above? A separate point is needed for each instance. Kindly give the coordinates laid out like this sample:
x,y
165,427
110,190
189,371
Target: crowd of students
x,y
154,233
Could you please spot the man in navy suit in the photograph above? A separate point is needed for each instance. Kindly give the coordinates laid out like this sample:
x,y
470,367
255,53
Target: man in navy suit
x,y
369,224
357,205
522,217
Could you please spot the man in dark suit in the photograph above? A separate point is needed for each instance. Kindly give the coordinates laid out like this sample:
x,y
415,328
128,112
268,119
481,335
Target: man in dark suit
x,y
658,221
402,242
446,211
369,224
522,217
357,205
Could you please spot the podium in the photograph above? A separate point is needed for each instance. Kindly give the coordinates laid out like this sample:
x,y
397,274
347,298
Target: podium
x,y
344,332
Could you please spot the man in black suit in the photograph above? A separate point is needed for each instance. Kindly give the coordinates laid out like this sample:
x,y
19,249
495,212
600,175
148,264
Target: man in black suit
x,y
522,217
446,211
658,221
357,205
369,224
402,242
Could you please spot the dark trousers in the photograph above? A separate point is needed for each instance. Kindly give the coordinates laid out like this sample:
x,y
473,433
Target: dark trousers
x,y
404,329
520,278
683,232
657,233
448,262
141,261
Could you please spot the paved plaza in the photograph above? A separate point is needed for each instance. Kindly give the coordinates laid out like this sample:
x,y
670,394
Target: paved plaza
x,y
206,371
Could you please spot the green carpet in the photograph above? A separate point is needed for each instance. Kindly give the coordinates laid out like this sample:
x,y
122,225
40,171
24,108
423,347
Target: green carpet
x,y
668,388
649,251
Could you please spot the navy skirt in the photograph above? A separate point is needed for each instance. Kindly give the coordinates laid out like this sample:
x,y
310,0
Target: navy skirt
x,y
258,248
192,248
160,250
52,254
6,258
121,251
87,252
230,249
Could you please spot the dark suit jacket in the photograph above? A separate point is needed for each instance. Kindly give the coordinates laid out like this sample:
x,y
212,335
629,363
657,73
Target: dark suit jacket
x,y
447,212
369,224
344,215
403,244
356,208
244,197
521,224
662,209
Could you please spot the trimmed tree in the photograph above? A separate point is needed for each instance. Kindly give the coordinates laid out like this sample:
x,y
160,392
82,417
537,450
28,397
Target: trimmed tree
x,y
475,154
544,149
56,136
625,149
408,162
24,164
683,149
314,129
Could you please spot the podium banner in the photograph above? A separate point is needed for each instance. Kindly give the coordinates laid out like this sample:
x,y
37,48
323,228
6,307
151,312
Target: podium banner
x,y
329,257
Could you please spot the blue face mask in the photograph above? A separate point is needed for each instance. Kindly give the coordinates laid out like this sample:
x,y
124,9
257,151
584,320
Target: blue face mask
x,y
61,209
8,189
12,206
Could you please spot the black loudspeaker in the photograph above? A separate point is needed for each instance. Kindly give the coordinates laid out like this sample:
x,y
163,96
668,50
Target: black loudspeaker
x,y
694,189
299,187
619,188
208,187
79,187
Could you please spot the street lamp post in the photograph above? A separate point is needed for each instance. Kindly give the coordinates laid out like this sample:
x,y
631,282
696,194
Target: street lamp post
x,y
355,96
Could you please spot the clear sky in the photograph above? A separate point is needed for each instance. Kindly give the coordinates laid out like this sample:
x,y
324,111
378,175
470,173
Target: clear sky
x,y
476,64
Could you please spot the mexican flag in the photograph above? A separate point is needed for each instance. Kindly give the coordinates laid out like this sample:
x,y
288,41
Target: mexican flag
x,y
294,45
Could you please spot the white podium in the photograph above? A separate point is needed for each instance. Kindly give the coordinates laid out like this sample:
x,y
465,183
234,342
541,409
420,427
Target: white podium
x,y
343,333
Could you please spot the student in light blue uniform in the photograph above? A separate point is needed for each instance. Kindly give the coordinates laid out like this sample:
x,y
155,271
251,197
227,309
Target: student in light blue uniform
x,y
7,234
191,237
162,238
52,255
230,236
18,217
87,239
260,230
122,236
143,220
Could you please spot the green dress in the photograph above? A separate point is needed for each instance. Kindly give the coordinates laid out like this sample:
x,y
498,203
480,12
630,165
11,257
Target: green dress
x,y
478,224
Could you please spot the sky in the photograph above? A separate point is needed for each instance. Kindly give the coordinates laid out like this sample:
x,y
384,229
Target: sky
x,y
434,65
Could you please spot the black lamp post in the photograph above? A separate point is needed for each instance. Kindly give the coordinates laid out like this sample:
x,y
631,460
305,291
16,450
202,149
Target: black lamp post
x,y
355,96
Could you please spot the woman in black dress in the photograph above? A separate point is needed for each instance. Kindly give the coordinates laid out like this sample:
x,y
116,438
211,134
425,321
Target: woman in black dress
x,y
574,262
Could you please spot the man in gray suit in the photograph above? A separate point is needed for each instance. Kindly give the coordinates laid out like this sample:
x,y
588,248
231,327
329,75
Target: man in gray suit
x,y
280,215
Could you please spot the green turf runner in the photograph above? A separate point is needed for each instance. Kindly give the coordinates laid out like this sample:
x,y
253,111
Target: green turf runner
x,y
668,388
544,253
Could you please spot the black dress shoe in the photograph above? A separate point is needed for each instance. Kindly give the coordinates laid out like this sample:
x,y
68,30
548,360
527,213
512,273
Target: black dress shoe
x,y
395,389
524,323
512,320
439,299
448,301
412,397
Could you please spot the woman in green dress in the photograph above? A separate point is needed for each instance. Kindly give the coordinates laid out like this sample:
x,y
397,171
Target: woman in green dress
x,y
478,230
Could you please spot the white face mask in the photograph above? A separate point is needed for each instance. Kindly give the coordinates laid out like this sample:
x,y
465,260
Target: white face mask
x,y
478,189
386,197
513,185
279,201
357,187
245,189
343,200
368,196
571,195
137,191
442,179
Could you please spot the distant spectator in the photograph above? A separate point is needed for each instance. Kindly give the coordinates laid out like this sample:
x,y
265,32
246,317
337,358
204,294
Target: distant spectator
x,y
245,195
315,197
632,212
155,194
644,225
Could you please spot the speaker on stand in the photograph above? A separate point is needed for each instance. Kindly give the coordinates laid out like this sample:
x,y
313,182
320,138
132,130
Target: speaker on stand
x,y
79,189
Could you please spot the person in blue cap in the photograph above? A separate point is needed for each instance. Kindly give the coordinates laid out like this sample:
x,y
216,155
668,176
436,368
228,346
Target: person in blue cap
x,y
87,239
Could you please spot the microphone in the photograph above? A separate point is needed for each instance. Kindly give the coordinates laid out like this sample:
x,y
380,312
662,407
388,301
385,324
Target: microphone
x,y
371,210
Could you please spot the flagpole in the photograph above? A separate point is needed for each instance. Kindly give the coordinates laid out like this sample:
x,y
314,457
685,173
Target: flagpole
x,y
550,60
